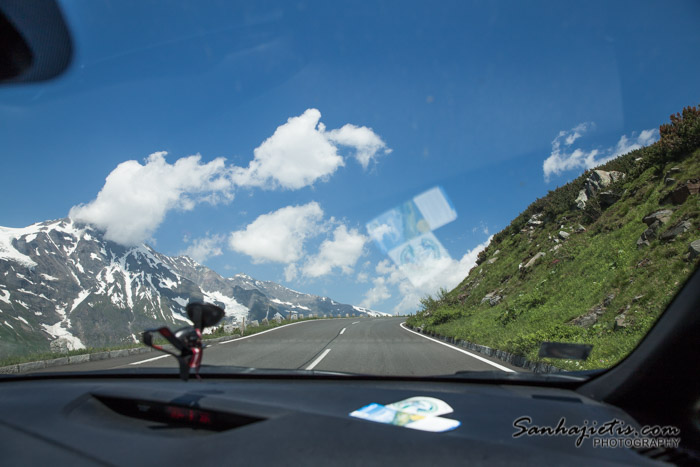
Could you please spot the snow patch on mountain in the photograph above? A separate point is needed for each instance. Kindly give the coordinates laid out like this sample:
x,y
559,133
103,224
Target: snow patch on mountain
x,y
9,252
369,312
58,331
231,306
81,296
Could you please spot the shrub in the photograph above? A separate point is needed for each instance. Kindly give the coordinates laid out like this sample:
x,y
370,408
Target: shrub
x,y
682,135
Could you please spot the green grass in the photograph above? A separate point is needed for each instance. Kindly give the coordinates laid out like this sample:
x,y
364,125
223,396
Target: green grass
x,y
538,304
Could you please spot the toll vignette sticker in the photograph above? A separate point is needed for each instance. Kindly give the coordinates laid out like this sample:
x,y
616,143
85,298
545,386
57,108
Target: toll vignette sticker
x,y
417,413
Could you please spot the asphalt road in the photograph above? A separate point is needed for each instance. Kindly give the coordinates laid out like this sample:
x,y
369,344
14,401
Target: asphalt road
x,y
377,346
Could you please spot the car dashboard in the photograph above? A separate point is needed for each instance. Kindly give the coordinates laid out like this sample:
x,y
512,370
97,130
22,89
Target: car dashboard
x,y
288,420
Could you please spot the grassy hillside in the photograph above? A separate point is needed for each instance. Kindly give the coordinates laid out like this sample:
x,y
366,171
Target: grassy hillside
x,y
592,283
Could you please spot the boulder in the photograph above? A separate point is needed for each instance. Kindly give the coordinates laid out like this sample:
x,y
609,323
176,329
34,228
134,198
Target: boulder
x,y
694,249
662,216
265,322
681,194
671,171
533,260
675,231
608,198
492,260
589,318
60,345
535,221
621,321
492,298
649,234
608,299
600,179
581,199
670,181
579,228
254,323
563,235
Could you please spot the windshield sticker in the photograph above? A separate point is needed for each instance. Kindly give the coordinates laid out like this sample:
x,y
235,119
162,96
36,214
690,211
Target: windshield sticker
x,y
421,405
405,234
416,413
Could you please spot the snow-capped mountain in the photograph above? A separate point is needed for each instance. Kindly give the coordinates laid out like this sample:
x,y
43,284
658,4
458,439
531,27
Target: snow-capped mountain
x,y
62,282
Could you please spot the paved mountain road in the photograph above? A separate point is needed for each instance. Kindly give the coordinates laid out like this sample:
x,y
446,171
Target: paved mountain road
x,y
377,346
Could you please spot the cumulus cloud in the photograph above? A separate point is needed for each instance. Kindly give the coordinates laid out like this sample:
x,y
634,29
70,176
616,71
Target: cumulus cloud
x,y
377,294
290,272
445,272
204,248
366,143
295,156
135,198
301,151
343,251
279,236
564,157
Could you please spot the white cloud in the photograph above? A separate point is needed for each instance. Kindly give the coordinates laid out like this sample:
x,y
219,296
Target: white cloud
x,y
290,272
482,226
563,158
625,145
279,236
300,152
342,252
367,144
295,156
386,268
204,248
445,272
135,198
377,294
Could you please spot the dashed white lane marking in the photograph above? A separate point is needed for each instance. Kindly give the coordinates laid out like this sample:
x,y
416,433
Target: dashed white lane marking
x,y
318,360
355,322
342,331
149,360
500,367
262,332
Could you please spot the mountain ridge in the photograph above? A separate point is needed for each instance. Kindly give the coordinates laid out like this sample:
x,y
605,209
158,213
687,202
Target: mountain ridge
x,y
61,282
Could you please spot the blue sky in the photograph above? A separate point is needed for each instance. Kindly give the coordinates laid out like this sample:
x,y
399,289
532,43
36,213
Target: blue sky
x,y
469,96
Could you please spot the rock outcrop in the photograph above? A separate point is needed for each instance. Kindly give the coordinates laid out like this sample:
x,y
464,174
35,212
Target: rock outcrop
x,y
595,183
681,194
675,231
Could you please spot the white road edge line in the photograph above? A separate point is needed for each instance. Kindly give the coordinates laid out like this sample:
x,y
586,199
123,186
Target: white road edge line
x,y
500,367
318,360
149,360
341,331
224,342
262,332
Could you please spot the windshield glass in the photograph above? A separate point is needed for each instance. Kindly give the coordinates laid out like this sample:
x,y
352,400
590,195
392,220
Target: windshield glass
x,y
387,188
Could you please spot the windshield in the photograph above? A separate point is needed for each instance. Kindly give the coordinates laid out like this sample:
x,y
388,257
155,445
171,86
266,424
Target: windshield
x,y
385,188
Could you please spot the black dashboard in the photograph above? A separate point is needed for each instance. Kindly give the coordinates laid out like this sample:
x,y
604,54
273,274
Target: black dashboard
x,y
296,421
